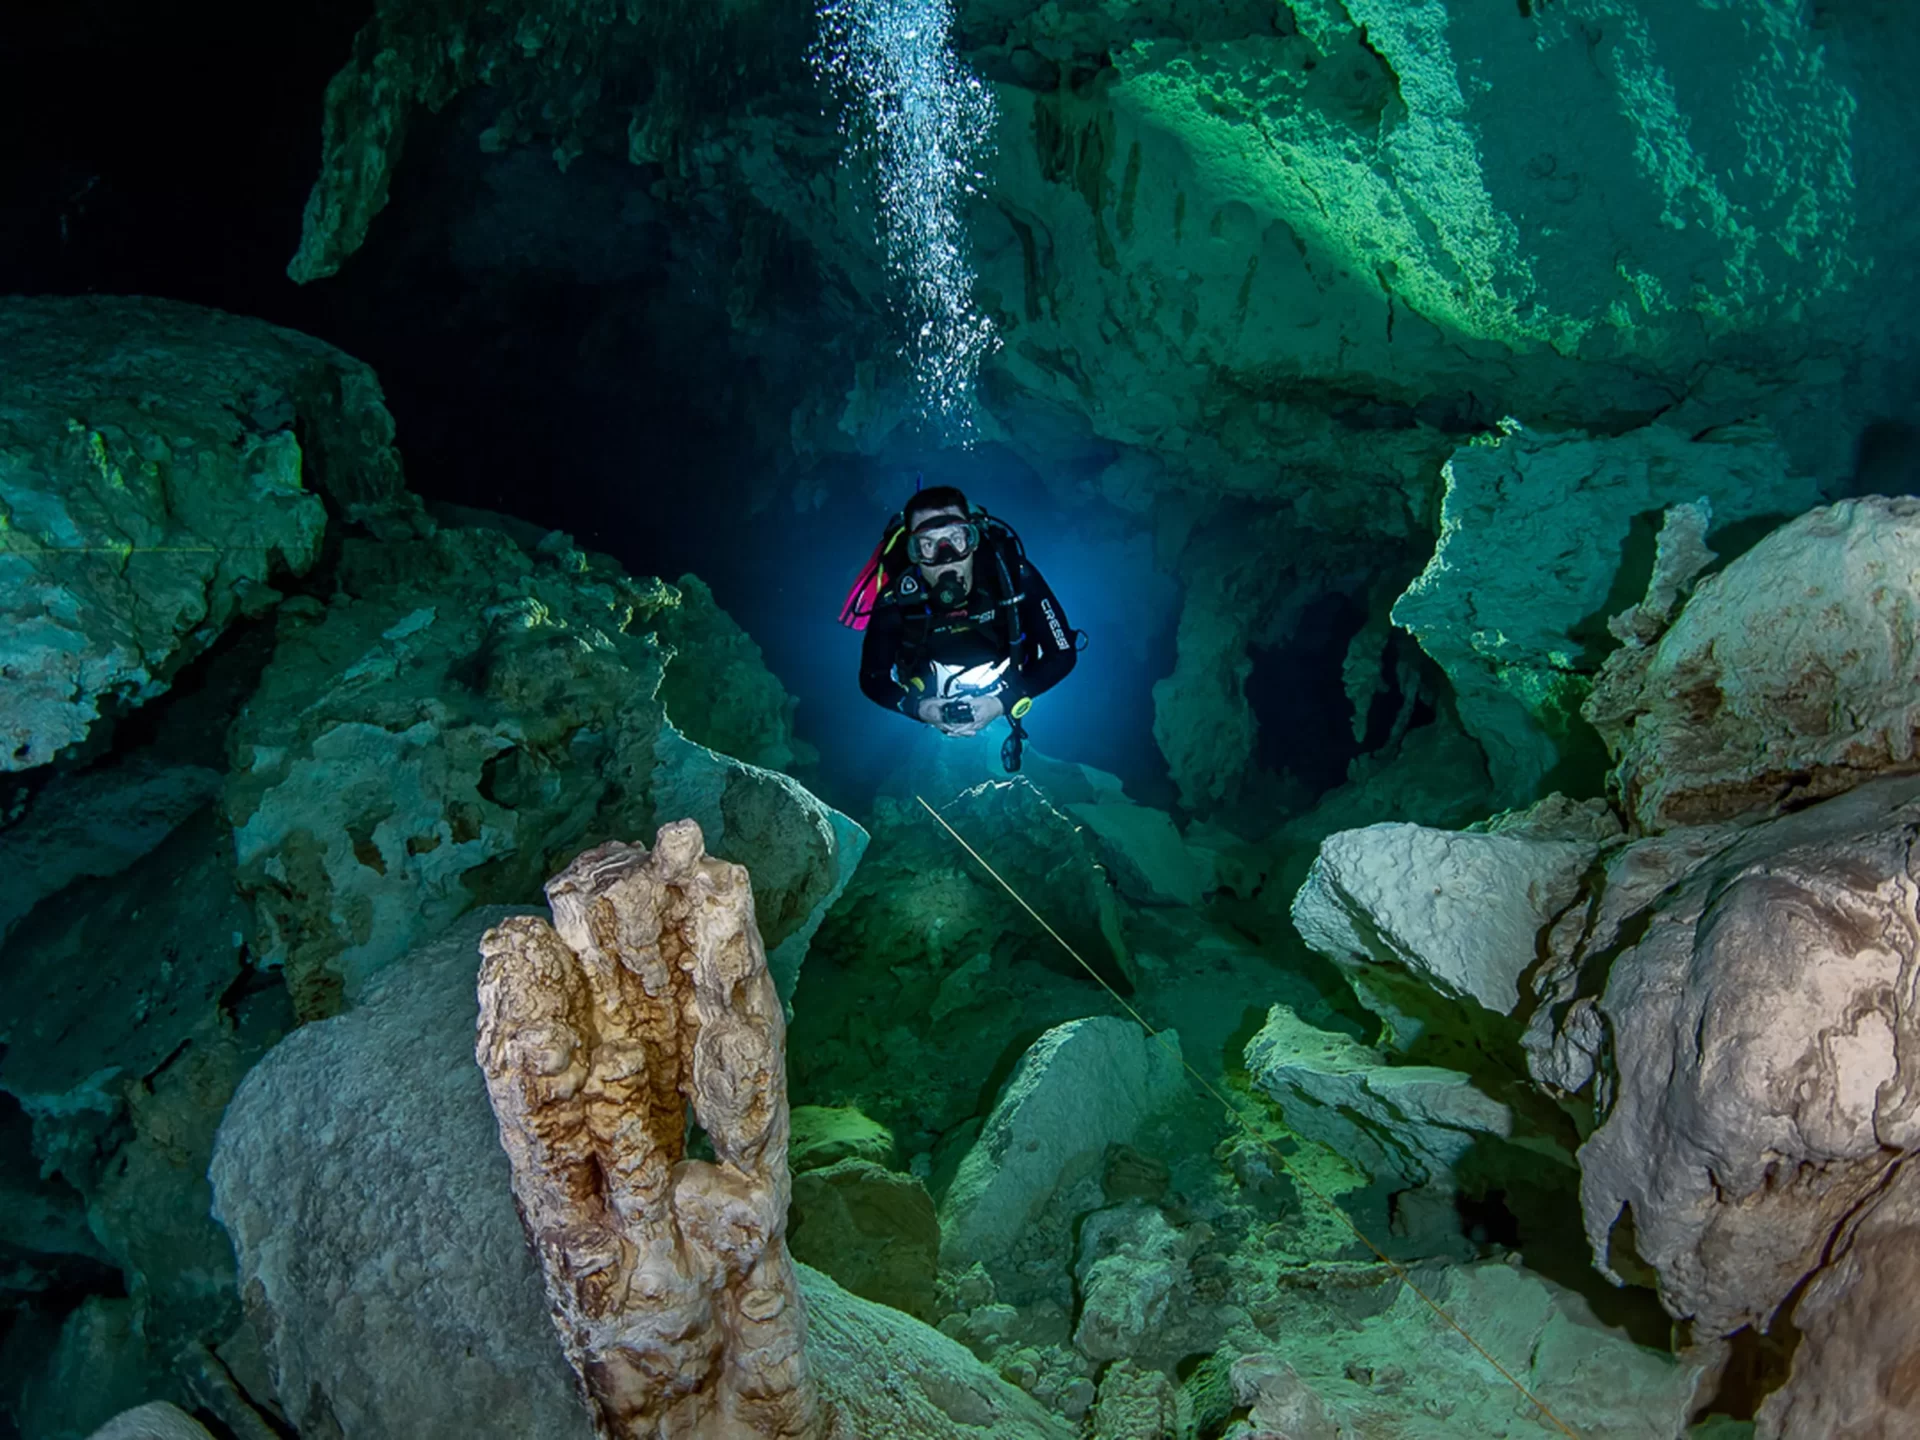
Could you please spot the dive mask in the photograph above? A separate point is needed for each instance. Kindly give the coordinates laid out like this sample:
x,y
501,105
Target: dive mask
x,y
943,541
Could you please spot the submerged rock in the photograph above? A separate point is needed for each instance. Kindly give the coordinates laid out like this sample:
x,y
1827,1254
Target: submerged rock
x,y
360,1160
1414,915
465,717
1408,1125
1789,676
1135,1290
1081,1087
1141,846
1759,1100
1533,528
161,466
872,1229
1858,1329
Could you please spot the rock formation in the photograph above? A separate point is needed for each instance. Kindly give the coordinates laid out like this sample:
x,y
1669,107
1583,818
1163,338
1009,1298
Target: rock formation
x,y
157,1421
1760,1098
1790,675
1729,993
153,490
465,715
361,1159
669,1279
1534,531
1080,1088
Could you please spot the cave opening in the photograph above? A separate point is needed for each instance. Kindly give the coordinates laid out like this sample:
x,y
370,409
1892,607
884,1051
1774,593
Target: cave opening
x,y
1297,690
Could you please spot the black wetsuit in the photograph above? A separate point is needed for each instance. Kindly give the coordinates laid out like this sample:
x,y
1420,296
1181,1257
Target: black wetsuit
x,y
907,635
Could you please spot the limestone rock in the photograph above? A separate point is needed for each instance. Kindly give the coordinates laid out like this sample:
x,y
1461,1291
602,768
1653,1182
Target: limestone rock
x,y
1410,1125
1135,1404
360,1158
1081,1087
1597,1381
155,1421
1140,845
1409,912
887,1374
1532,531
464,718
668,1277
872,1229
1757,1026
1279,1401
1133,1283
152,488
825,1135
1859,1330
1788,676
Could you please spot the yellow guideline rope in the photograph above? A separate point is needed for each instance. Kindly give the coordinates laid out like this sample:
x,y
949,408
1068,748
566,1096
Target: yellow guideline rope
x,y
1240,1120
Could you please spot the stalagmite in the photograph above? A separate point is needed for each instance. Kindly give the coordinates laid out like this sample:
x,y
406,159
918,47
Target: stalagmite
x,y
668,1277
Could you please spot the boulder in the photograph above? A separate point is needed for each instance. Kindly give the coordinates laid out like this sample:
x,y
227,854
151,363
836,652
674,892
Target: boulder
x,y
1759,1101
1079,1088
1411,914
1385,1377
1533,528
1135,1403
1278,1401
1788,676
360,1159
1134,1286
161,466
1144,852
1401,1125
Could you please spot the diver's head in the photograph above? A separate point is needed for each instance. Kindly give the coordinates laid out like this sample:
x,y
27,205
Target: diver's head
x,y
942,540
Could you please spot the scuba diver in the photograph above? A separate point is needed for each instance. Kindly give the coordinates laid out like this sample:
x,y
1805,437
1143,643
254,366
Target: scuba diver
x,y
961,628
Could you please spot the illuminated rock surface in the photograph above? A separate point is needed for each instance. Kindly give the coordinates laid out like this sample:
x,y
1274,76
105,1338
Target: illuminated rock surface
x,y
1756,1033
1788,676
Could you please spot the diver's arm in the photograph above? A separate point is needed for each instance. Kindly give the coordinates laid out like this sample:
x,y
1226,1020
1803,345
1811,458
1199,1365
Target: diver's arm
x,y
884,632
1049,644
